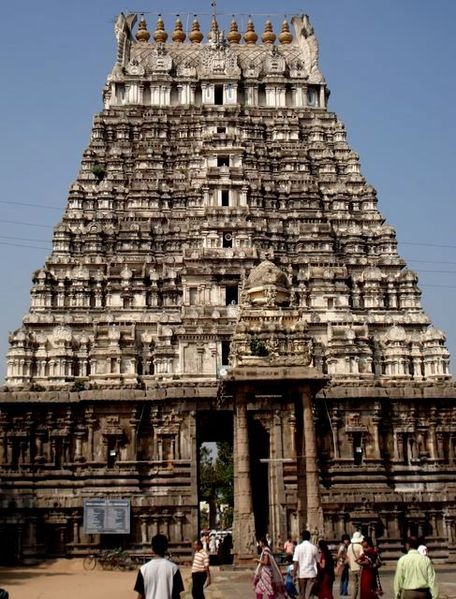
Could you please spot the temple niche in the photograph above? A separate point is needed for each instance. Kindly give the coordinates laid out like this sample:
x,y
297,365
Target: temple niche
x,y
222,272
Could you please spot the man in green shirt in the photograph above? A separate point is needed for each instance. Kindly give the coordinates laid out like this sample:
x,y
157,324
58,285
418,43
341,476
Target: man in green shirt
x,y
415,575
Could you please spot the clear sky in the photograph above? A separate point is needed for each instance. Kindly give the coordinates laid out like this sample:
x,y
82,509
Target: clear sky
x,y
390,65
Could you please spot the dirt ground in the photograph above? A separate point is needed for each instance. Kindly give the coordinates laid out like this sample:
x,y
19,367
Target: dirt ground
x,y
67,579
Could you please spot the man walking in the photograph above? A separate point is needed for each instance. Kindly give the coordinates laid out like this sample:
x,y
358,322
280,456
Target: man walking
x,y
354,552
159,578
200,570
305,560
415,575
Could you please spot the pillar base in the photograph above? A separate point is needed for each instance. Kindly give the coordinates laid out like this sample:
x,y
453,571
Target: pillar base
x,y
245,559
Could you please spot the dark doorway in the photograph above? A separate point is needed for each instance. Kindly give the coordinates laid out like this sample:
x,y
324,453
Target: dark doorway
x,y
259,475
10,545
55,539
218,94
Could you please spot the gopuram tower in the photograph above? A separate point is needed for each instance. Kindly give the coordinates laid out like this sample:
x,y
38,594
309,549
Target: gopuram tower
x,y
222,272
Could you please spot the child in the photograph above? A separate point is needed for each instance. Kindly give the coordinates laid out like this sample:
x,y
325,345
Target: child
x,y
289,584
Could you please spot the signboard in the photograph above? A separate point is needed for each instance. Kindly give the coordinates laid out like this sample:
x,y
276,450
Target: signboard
x,y
106,516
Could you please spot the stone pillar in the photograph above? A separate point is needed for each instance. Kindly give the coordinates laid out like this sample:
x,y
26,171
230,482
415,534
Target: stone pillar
x,y
395,446
341,524
90,425
144,519
155,526
76,520
3,452
335,422
432,442
276,481
376,420
440,450
244,523
29,548
314,512
78,455
19,537
132,448
180,517
292,424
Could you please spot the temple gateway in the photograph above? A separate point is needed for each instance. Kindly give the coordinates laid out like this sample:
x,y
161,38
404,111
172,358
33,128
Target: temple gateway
x,y
222,273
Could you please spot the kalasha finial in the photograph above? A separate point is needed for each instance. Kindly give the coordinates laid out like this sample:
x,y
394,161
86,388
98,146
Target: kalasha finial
x,y
178,33
214,32
234,37
142,35
250,37
160,34
269,37
195,35
285,36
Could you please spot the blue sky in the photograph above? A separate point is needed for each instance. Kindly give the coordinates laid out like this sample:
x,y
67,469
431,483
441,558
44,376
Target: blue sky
x,y
390,65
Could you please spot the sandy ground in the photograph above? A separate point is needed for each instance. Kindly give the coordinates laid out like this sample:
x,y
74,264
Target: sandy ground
x,y
66,579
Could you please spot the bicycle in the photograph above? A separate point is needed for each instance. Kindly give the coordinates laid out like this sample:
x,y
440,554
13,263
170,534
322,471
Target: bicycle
x,y
90,562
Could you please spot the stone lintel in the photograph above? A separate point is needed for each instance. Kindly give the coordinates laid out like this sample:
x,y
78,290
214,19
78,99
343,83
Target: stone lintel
x,y
276,373
161,393
405,393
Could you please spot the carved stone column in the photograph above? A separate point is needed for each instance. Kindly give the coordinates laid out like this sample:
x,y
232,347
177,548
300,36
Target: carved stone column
x,y
144,519
79,435
3,457
76,519
395,445
155,526
440,450
244,524
180,517
132,449
29,548
335,422
276,481
376,420
314,514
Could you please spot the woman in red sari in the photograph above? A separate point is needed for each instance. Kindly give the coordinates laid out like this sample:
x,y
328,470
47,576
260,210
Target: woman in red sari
x,y
325,577
369,583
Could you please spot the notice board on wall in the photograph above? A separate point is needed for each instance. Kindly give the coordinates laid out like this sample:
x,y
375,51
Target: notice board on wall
x,y
106,516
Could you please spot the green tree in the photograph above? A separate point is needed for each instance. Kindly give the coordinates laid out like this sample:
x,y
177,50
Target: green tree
x,y
216,481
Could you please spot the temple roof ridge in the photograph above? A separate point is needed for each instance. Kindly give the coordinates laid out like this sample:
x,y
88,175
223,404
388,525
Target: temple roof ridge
x,y
137,50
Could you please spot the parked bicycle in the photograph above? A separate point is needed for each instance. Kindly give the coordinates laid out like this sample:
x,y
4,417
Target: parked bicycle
x,y
115,559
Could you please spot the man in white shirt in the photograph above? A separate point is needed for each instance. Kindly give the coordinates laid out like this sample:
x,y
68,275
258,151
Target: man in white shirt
x,y
159,578
305,561
354,552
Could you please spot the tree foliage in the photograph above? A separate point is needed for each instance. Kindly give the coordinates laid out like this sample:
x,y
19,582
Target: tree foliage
x,y
216,477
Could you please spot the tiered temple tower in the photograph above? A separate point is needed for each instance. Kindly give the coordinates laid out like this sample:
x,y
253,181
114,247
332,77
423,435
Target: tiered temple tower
x,y
222,270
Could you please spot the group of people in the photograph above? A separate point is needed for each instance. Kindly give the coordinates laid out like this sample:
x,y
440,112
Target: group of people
x,y
311,571
358,560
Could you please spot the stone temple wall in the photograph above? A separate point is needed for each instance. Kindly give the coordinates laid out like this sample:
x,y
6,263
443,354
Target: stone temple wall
x,y
220,230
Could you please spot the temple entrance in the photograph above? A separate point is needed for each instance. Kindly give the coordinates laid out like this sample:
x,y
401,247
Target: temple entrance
x,y
215,483
10,550
259,469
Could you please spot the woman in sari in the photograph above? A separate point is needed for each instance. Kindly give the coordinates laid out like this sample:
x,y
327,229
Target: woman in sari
x,y
369,582
325,577
268,580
